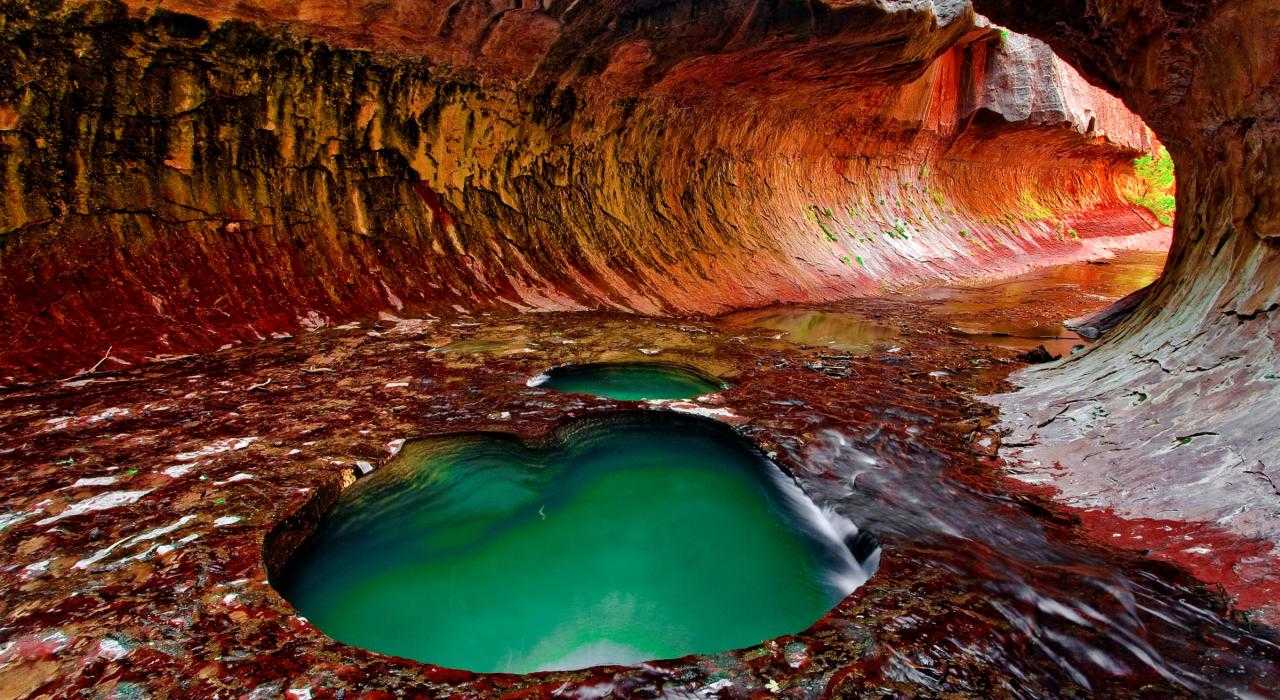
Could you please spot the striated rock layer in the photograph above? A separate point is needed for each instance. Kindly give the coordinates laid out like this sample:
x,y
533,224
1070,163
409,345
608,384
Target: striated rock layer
x,y
1175,418
172,185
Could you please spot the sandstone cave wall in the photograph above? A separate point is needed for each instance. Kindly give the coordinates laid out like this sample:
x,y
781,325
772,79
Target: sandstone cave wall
x,y
171,186
1175,416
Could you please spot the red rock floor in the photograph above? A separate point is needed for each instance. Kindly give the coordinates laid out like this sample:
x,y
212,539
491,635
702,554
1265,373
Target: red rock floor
x,y
141,508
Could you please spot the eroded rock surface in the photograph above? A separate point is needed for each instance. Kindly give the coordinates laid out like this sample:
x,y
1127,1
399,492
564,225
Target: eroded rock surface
x,y
145,509
1175,416
172,185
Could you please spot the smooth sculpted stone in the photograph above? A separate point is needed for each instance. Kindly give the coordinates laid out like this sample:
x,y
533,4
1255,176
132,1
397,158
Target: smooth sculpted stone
x,y
644,535
467,157
630,381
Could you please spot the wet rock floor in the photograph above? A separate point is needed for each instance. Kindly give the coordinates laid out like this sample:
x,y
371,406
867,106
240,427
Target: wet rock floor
x,y
143,511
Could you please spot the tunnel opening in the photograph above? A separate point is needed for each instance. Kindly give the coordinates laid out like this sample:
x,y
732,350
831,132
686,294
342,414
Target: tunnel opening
x,y
218,197
919,257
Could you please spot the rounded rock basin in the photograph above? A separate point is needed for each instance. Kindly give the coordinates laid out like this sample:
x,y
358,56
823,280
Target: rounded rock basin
x,y
630,381
645,535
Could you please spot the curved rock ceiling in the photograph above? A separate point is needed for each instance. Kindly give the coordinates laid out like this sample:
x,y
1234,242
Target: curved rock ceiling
x,y
182,175
173,186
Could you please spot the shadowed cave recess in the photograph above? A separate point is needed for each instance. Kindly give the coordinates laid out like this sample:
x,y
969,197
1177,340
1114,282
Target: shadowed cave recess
x,y
250,251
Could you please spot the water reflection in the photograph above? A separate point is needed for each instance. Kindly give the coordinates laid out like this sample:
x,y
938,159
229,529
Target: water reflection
x,y
845,332
629,381
1069,613
997,314
645,535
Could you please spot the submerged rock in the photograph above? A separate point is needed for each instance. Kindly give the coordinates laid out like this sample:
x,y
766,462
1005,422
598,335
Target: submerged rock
x,y
1039,355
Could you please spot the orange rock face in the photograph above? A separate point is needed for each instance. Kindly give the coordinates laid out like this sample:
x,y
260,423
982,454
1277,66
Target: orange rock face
x,y
176,182
185,185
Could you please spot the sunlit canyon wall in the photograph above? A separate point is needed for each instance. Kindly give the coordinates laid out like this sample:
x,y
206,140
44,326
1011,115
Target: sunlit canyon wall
x,y
173,184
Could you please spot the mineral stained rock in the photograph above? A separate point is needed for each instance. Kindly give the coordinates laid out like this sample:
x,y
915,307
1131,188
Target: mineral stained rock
x,y
176,182
144,509
1175,417
181,176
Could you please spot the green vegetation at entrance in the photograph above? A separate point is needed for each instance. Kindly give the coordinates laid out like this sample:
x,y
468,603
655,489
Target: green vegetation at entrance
x,y
1155,190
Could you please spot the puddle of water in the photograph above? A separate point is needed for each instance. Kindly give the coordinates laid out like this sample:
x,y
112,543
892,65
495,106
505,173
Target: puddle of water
x,y
1022,337
816,328
1128,271
994,314
630,381
647,535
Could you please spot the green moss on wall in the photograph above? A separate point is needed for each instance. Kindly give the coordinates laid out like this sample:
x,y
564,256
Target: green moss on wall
x,y
1155,190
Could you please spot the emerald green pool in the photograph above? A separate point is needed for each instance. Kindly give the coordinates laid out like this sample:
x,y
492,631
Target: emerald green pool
x,y
630,381
643,536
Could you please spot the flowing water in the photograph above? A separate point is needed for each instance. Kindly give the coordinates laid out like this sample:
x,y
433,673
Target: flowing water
x,y
639,538
1067,612
629,381
642,536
